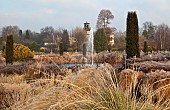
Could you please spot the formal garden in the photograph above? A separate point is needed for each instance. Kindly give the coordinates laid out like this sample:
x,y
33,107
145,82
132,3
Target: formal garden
x,y
103,79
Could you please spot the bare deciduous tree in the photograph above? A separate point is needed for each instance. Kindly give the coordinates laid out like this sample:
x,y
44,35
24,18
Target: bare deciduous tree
x,y
120,43
104,18
148,29
79,36
161,35
47,34
11,30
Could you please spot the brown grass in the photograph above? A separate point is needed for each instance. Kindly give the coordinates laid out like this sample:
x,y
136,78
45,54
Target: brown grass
x,y
90,88
154,86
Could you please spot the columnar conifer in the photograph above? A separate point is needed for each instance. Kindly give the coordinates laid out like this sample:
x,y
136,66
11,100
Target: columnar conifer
x,y
145,47
61,49
132,35
84,50
9,49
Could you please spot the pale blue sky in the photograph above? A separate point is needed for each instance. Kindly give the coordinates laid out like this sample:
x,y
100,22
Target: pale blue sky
x,y
36,14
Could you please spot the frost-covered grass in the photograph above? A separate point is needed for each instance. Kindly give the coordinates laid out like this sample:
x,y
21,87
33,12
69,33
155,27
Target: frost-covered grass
x,y
97,88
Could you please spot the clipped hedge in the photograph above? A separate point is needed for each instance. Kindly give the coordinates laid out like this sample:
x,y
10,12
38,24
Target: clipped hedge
x,y
114,49
22,52
69,50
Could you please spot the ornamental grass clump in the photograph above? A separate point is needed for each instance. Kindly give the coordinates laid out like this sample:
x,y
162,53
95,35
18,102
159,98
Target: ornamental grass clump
x,y
94,88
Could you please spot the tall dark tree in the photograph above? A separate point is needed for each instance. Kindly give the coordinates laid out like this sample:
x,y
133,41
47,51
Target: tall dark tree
x,y
104,18
9,49
65,40
61,49
27,36
100,40
132,35
84,50
145,48
3,49
1,43
20,33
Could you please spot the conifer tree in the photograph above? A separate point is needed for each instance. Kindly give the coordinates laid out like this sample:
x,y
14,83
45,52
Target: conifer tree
x,y
145,48
9,49
65,40
84,50
20,33
27,36
100,40
132,35
61,49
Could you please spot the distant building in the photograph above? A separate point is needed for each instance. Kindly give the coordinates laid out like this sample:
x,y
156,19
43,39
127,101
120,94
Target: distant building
x,y
50,47
111,39
87,28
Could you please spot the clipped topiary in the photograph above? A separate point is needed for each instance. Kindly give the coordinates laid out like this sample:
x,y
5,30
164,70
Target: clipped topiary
x,y
145,48
61,49
150,49
22,53
69,50
114,49
9,49
42,49
84,50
